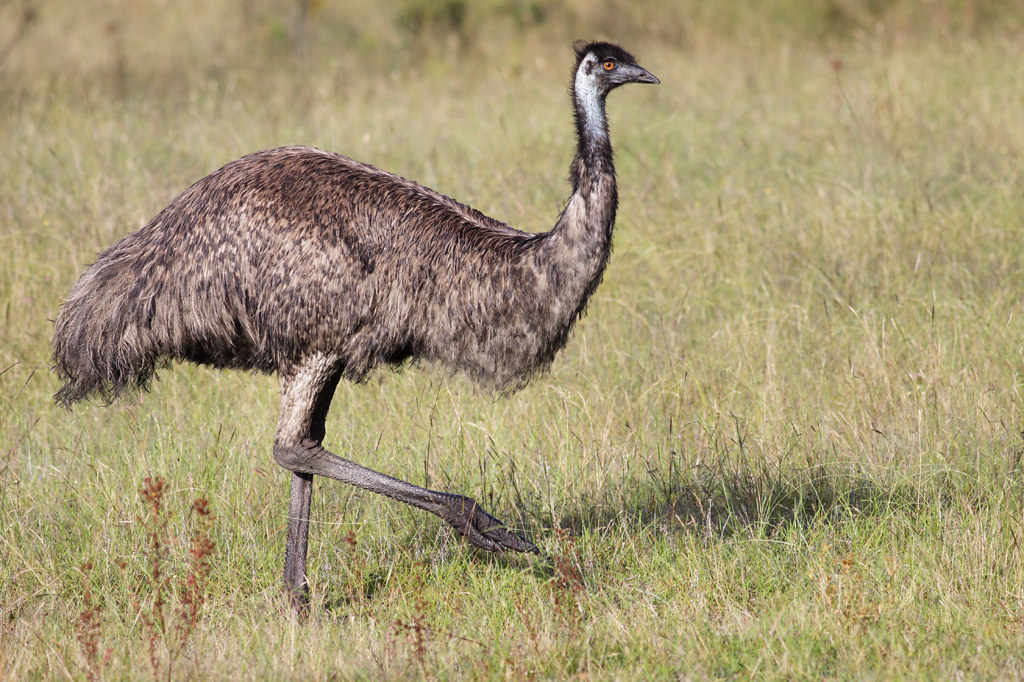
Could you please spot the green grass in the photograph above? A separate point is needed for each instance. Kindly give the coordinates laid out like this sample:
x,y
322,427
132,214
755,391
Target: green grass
x,y
784,443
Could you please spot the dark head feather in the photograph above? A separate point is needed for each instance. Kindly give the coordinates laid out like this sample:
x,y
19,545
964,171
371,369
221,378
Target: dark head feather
x,y
602,50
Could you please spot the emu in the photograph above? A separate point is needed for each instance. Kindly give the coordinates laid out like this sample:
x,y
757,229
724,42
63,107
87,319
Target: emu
x,y
317,267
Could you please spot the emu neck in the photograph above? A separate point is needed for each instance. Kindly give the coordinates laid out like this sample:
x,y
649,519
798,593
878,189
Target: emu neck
x,y
590,213
580,243
591,123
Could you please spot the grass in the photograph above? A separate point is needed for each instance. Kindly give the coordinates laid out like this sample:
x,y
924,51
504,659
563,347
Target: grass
x,y
785,442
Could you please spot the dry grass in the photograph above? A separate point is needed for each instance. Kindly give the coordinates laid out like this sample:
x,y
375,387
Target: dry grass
x,y
784,443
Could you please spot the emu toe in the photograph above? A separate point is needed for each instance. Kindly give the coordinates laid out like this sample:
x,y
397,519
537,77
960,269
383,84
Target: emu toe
x,y
480,528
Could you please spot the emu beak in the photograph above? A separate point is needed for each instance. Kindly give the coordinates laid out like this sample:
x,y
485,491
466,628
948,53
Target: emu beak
x,y
642,75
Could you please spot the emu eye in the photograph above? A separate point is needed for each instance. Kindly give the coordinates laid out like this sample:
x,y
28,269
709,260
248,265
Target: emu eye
x,y
609,65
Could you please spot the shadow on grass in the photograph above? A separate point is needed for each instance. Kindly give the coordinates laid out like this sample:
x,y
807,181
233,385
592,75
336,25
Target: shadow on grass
x,y
719,500
713,499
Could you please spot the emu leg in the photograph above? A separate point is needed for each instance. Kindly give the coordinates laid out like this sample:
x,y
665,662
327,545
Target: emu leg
x,y
298,541
306,394
462,513
303,420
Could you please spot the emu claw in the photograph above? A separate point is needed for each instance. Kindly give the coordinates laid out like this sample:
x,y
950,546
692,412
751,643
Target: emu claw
x,y
479,527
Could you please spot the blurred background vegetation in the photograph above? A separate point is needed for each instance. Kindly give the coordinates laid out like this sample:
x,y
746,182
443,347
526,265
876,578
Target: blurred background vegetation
x,y
144,44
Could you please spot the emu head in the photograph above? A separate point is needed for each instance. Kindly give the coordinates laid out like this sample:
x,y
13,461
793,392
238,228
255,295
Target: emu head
x,y
602,67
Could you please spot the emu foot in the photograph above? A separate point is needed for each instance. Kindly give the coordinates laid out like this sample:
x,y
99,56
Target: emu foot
x,y
295,585
479,527
299,600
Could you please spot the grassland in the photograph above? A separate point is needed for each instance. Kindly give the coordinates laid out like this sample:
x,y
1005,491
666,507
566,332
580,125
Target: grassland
x,y
785,442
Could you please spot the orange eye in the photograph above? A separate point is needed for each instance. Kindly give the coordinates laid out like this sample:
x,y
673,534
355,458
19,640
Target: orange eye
x,y
609,65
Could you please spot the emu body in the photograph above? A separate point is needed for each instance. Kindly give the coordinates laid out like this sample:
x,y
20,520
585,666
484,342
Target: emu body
x,y
297,251
308,264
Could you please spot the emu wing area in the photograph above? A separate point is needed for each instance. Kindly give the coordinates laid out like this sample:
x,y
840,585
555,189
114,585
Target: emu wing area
x,y
295,251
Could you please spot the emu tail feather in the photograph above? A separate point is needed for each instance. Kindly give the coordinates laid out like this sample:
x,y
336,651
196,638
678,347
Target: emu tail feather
x,y
103,342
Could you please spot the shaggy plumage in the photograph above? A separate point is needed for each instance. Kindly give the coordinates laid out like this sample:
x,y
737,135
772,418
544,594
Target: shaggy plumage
x,y
309,264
